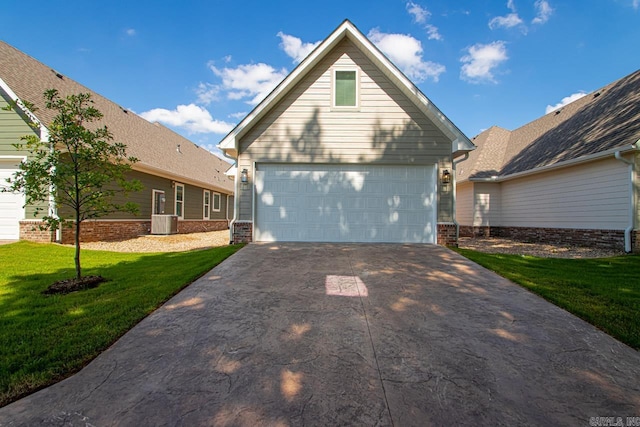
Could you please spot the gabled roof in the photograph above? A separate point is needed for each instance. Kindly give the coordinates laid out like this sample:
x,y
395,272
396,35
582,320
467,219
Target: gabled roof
x,y
598,123
160,150
460,143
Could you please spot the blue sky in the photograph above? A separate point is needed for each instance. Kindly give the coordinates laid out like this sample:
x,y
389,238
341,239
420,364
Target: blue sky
x,y
200,66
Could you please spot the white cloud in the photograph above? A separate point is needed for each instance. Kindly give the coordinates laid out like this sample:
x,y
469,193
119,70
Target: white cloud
x,y
130,32
508,21
207,93
566,100
239,115
253,81
544,11
420,14
406,52
433,33
636,4
294,47
481,60
193,118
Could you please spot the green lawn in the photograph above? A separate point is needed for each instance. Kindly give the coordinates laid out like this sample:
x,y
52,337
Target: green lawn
x,y
605,292
46,338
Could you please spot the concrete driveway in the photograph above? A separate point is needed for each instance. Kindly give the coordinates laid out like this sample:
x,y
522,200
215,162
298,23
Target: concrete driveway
x,y
329,334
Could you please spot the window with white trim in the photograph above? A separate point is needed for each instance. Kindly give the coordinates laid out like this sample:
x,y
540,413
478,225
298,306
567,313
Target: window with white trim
x,y
216,202
179,204
206,204
345,88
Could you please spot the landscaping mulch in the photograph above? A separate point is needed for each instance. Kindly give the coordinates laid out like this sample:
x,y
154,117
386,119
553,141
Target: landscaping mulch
x,y
71,285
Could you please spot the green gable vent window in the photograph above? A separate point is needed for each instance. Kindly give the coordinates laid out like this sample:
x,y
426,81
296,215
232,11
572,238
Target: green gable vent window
x,y
346,89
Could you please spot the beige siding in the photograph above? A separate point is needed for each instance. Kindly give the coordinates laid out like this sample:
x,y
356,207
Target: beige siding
x,y
593,196
387,128
12,127
464,203
486,204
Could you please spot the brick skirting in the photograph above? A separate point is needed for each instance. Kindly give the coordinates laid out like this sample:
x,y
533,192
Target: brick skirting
x,y
242,232
447,235
30,230
606,239
200,226
108,231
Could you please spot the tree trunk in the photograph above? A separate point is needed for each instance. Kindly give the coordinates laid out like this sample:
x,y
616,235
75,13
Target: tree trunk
x,y
77,241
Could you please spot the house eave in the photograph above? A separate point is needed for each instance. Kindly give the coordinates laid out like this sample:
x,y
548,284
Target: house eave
x,y
144,168
572,162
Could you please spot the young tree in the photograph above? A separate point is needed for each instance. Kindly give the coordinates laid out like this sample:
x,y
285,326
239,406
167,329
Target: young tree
x,y
80,167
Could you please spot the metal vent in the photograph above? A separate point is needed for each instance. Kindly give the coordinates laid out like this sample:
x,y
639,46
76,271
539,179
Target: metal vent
x,y
164,224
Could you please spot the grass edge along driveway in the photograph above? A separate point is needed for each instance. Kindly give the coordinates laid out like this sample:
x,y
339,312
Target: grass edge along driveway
x,y
603,291
44,339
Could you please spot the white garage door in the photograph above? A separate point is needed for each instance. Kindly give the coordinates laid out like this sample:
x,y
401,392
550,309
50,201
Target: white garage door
x,y
11,204
345,203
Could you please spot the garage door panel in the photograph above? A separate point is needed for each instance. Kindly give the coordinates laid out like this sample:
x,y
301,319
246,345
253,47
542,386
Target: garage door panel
x,y
11,204
346,203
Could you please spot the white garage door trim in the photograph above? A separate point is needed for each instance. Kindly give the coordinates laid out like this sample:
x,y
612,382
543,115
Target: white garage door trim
x,y
11,204
345,203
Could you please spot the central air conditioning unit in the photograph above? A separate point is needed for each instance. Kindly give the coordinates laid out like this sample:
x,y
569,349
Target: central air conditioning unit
x,y
164,224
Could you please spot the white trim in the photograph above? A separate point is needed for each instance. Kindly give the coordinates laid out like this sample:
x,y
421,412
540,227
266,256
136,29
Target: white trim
x,y
213,204
334,71
206,206
253,200
175,199
153,200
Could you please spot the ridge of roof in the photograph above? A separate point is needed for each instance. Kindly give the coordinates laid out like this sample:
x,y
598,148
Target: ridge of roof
x,y
156,146
460,143
601,120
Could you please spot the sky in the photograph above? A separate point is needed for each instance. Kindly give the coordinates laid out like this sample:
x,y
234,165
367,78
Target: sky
x,y
199,67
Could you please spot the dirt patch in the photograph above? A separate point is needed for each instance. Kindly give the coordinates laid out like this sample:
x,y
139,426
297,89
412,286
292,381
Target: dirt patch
x,y
507,246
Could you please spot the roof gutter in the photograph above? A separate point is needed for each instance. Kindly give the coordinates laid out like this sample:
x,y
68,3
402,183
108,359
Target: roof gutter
x,y
572,162
454,165
629,229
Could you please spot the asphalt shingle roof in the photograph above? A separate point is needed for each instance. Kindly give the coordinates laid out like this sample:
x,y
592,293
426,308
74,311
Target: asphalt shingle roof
x,y
155,145
602,120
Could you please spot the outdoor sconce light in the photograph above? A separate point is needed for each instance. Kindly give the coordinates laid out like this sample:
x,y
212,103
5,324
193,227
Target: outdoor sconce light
x,y
244,179
446,176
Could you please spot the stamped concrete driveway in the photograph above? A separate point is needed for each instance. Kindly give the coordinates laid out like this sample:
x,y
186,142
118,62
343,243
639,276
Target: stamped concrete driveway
x,y
328,334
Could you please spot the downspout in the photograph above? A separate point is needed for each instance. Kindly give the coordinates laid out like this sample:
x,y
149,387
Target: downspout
x,y
629,229
455,177
235,198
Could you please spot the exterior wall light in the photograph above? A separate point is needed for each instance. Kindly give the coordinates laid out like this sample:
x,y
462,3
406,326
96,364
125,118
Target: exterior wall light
x,y
244,176
446,176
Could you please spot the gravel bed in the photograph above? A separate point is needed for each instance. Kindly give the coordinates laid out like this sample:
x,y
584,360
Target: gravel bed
x,y
170,243
495,245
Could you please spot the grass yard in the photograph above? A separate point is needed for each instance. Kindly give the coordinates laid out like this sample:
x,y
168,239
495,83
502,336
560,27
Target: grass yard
x,y
44,339
605,292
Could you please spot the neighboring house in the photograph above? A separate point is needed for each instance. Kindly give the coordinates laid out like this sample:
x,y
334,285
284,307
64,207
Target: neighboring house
x,y
345,149
179,177
568,177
